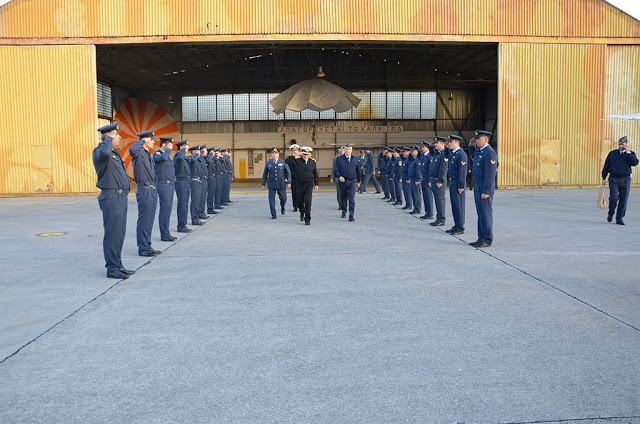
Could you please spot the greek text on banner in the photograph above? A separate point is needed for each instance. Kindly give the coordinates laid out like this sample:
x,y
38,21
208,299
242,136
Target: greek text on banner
x,y
343,129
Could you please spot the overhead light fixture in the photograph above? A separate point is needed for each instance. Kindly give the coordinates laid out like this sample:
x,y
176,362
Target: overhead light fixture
x,y
320,73
451,96
170,100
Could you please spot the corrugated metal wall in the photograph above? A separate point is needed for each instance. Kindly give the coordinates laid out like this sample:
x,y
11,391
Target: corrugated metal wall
x,y
48,119
623,97
551,109
121,18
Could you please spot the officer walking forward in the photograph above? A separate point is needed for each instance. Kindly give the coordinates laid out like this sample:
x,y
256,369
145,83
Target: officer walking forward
x,y
485,164
347,172
369,171
114,184
332,177
457,171
305,175
438,180
183,177
618,166
166,184
290,160
277,172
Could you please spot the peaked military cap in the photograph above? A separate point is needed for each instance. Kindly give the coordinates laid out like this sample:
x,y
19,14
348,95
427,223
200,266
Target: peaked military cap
x,y
397,150
416,147
216,150
192,148
407,148
294,147
182,143
275,150
202,147
166,140
108,128
340,148
367,147
223,150
146,134
348,145
210,148
306,150
482,132
361,151
440,138
623,139
455,137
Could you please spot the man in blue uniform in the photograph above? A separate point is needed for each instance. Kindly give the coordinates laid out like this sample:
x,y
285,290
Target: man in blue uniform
x,y
146,194
278,174
457,171
347,172
485,164
382,167
220,176
438,180
204,177
415,177
165,187
369,171
114,184
183,178
332,178
228,177
212,180
427,195
397,175
388,174
195,185
618,166
290,161
404,179
306,177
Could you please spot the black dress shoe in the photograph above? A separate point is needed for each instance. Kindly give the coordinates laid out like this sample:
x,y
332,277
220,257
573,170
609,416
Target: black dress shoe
x,y
451,230
414,212
307,223
273,217
480,245
196,223
211,212
147,253
620,222
344,215
204,217
171,238
156,252
609,218
398,203
456,232
474,243
437,224
185,230
351,218
117,274
406,207
391,201
425,216
282,211
127,271
295,209
378,192
301,217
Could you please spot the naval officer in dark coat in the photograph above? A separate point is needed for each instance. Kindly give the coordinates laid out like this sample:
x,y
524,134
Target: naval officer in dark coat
x,y
165,187
618,166
278,174
146,194
347,171
305,176
114,184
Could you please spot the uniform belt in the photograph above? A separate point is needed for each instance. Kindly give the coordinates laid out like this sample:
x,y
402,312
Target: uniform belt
x,y
620,176
164,181
149,187
115,190
184,179
195,179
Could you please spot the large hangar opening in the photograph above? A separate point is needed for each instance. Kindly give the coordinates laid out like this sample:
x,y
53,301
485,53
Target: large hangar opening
x,y
218,94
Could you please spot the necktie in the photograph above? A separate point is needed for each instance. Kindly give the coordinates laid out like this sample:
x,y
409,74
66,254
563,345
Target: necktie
x,y
348,159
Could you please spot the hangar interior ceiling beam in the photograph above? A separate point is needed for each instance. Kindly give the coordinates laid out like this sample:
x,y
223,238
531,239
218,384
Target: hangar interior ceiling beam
x,y
271,67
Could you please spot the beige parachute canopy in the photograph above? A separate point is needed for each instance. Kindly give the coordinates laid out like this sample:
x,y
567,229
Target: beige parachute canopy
x,y
315,94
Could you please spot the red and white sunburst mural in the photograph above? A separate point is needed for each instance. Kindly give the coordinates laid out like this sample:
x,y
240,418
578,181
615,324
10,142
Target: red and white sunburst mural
x,y
137,115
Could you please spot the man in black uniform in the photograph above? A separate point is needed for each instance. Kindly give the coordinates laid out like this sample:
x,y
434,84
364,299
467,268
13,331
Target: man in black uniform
x,y
618,166
183,177
146,194
166,184
115,185
305,175
295,153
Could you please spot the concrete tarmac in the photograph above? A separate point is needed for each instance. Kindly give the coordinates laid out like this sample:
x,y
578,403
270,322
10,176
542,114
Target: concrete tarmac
x,y
385,319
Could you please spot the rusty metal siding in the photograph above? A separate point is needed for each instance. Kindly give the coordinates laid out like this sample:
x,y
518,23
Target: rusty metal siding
x,y
122,18
622,97
49,122
547,93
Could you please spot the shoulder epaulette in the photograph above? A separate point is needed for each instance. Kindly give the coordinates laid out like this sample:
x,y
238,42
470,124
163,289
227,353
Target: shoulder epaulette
x,y
314,160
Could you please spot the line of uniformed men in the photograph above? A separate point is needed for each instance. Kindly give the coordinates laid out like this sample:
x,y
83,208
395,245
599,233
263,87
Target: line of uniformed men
x,y
421,174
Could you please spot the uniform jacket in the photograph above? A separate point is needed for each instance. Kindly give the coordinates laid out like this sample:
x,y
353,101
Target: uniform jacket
x,y
181,166
349,170
143,171
164,166
277,173
414,169
485,164
305,174
110,168
425,160
369,164
405,167
619,164
457,169
438,167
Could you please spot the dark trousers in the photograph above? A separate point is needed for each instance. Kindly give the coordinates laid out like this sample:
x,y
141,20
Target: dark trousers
x,y
282,194
114,221
391,186
165,197
305,195
457,206
439,199
182,192
227,188
218,194
399,190
406,189
369,176
348,193
385,185
294,195
338,193
204,187
427,197
196,193
416,196
618,195
211,192
484,208
147,203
